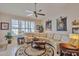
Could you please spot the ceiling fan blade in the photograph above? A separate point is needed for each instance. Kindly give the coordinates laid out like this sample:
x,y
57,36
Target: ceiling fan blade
x,y
29,11
41,14
35,13
29,14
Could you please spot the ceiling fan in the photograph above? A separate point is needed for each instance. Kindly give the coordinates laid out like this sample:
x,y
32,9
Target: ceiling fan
x,y
35,13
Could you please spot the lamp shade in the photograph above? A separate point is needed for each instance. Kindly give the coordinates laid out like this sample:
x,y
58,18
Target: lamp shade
x,y
74,40
74,36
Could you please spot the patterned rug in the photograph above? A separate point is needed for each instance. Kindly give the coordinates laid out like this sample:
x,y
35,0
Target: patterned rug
x,y
29,51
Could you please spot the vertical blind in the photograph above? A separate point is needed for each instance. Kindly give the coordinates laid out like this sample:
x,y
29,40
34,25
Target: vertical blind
x,y
22,26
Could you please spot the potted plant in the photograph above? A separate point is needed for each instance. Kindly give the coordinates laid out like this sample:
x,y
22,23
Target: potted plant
x,y
8,37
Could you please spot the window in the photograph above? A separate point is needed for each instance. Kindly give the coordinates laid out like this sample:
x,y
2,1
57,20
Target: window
x,y
32,26
21,26
15,27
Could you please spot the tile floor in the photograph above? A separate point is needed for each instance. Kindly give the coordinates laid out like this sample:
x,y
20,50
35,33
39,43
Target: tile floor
x,y
11,49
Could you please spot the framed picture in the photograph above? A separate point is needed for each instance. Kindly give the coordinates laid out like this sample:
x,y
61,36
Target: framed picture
x,y
49,25
62,24
4,25
75,30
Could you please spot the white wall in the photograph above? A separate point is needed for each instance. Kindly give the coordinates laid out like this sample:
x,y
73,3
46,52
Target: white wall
x,y
3,32
7,18
71,15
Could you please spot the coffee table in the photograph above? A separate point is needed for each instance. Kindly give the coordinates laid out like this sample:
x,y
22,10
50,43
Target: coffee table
x,y
30,51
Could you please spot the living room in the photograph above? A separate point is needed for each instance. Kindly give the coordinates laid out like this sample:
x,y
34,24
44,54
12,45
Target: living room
x,y
39,29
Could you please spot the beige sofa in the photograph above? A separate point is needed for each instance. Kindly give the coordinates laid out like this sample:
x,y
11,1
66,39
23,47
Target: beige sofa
x,y
52,38
40,36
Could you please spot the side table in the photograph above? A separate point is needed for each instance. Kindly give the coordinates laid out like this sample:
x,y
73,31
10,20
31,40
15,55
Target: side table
x,y
20,40
68,50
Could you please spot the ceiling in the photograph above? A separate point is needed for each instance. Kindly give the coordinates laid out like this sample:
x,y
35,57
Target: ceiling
x,y
50,9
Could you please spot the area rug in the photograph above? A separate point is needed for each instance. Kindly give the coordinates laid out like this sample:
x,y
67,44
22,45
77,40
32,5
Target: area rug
x,y
29,51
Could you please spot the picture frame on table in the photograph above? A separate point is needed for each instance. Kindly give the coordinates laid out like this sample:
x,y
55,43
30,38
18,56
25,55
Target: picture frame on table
x,y
4,25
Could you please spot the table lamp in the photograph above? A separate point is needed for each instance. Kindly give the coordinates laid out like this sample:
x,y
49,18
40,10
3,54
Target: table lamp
x,y
74,40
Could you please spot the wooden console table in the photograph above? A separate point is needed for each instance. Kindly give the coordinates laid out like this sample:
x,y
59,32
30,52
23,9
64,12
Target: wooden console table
x,y
68,50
